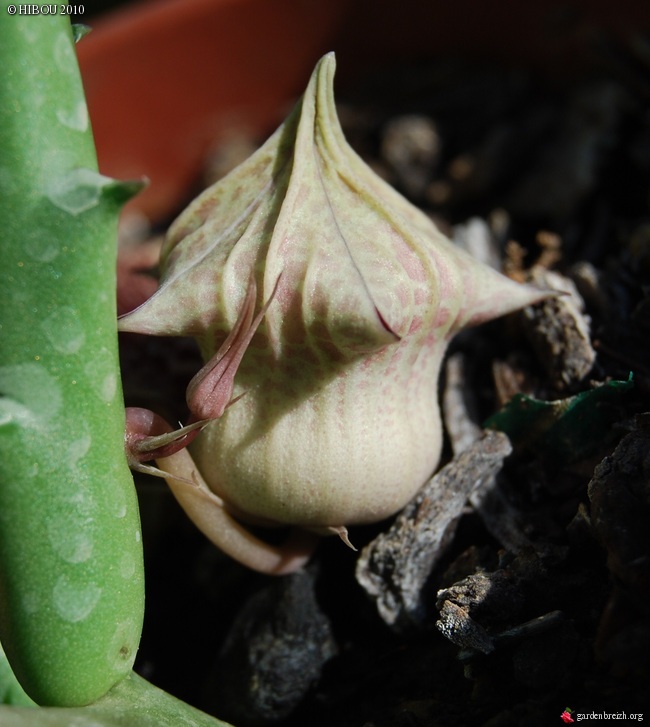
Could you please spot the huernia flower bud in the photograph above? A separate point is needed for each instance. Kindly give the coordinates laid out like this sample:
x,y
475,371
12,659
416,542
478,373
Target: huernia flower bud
x,y
339,421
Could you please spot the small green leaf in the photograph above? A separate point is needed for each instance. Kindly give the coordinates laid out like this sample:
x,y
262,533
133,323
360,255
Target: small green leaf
x,y
567,430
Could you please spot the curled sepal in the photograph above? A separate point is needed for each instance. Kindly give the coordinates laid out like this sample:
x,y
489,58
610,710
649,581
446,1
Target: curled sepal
x,y
148,437
209,393
203,507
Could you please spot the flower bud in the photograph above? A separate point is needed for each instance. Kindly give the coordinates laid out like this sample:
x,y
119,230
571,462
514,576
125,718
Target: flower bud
x,y
340,422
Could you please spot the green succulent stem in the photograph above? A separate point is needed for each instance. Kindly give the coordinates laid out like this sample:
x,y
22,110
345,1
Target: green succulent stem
x,y
71,571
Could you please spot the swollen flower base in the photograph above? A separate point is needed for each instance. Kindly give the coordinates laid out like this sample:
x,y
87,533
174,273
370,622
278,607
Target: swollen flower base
x,y
357,296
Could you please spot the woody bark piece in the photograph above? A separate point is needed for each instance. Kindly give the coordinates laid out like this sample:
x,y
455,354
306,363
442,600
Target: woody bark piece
x,y
395,566
460,628
559,332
